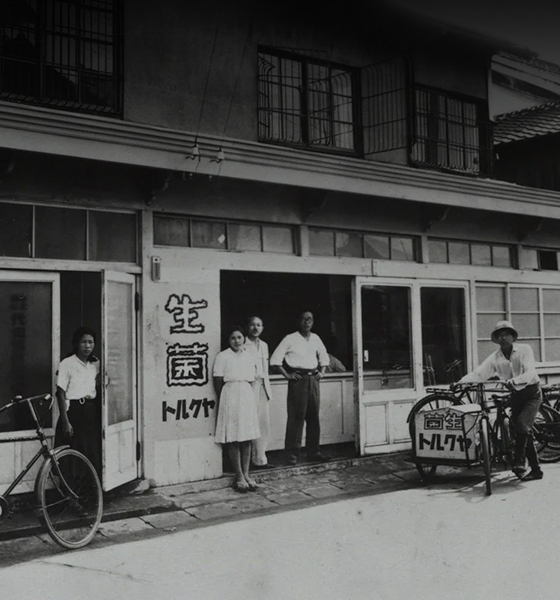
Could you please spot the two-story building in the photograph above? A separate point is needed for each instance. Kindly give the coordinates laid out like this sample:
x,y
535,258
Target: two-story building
x,y
165,171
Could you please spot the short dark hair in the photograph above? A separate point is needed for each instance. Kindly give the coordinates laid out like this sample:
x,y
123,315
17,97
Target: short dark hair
x,y
249,319
79,334
233,328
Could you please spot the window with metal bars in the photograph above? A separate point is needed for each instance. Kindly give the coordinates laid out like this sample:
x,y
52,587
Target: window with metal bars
x,y
62,53
450,132
306,101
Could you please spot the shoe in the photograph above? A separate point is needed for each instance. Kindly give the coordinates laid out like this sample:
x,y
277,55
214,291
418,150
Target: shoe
x,y
260,467
318,457
519,471
533,475
292,460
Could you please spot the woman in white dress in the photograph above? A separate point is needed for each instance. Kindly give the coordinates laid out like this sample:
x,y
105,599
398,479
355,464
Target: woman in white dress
x,y
237,424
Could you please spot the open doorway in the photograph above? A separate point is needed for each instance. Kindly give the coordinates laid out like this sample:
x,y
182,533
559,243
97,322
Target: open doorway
x,y
106,302
278,299
80,306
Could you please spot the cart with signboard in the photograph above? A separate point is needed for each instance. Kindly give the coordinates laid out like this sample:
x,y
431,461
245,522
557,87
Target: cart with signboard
x,y
453,431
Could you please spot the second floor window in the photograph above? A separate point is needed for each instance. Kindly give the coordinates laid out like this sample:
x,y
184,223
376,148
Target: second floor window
x,y
450,133
307,102
61,53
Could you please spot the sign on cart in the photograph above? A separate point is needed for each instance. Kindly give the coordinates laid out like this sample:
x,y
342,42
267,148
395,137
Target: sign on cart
x,y
448,433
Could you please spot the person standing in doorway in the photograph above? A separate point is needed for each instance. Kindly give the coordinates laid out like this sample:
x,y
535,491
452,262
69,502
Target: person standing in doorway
x,y
237,425
263,392
79,423
514,363
302,358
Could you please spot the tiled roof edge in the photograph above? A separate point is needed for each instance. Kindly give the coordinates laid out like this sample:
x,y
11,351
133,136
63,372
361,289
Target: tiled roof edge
x,y
527,111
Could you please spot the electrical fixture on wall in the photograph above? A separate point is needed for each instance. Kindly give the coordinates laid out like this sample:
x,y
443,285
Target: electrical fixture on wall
x,y
156,268
219,156
195,152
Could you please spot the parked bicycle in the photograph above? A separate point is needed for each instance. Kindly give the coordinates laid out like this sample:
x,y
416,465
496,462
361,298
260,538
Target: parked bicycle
x,y
464,428
67,488
551,395
546,429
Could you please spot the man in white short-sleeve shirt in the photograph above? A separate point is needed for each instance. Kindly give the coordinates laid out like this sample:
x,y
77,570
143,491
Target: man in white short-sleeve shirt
x,y
302,358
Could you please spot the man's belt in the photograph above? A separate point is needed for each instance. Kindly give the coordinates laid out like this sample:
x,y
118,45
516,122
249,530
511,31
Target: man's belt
x,y
309,372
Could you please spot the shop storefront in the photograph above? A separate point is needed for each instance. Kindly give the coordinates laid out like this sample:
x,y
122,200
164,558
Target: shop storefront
x,y
398,325
64,267
161,286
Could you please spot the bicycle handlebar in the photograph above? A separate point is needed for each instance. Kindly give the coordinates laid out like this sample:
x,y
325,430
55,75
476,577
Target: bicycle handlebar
x,y
20,399
496,385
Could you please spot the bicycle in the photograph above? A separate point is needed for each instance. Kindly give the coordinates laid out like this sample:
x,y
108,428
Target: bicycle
x,y
551,395
546,429
491,438
436,399
67,488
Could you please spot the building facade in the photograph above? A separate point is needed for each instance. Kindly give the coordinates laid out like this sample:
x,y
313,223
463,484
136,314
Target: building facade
x,y
167,172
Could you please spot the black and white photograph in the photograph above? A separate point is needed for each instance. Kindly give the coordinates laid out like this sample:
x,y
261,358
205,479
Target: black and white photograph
x,y
279,300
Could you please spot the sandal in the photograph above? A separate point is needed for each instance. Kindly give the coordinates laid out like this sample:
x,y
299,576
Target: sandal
x,y
240,487
253,486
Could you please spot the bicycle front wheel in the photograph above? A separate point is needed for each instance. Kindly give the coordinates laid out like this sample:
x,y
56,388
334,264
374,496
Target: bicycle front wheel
x,y
485,451
70,498
431,402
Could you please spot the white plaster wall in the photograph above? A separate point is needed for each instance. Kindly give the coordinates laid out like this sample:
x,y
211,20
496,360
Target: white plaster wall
x,y
179,400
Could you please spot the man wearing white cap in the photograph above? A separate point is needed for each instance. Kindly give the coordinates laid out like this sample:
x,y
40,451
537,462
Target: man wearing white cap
x,y
514,363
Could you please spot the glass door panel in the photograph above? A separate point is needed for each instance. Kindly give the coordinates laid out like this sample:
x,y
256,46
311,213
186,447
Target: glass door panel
x,y
444,350
386,338
119,390
26,351
119,361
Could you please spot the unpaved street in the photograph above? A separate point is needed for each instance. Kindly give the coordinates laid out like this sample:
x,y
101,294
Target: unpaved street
x,y
448,542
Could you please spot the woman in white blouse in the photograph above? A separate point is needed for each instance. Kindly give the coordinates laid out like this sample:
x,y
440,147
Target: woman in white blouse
x,y
237,424
79,423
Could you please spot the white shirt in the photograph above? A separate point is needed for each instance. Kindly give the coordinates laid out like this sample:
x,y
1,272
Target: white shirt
x,y
235,366
300,353
519,369
77,378
259,350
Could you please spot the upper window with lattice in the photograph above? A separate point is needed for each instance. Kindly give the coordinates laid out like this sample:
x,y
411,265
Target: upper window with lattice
x,y
306,101
61,53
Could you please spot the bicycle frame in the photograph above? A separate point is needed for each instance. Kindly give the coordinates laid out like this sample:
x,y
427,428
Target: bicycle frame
x,y
44,451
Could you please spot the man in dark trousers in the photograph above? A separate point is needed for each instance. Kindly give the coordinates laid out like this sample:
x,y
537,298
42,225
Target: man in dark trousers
x,y
514,363
302,358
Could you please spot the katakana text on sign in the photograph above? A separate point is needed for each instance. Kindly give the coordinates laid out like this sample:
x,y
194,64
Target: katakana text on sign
x,y
183,410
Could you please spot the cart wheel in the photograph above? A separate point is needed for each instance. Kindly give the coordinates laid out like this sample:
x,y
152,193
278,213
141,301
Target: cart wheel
x,y
431,402
485,451
427,472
